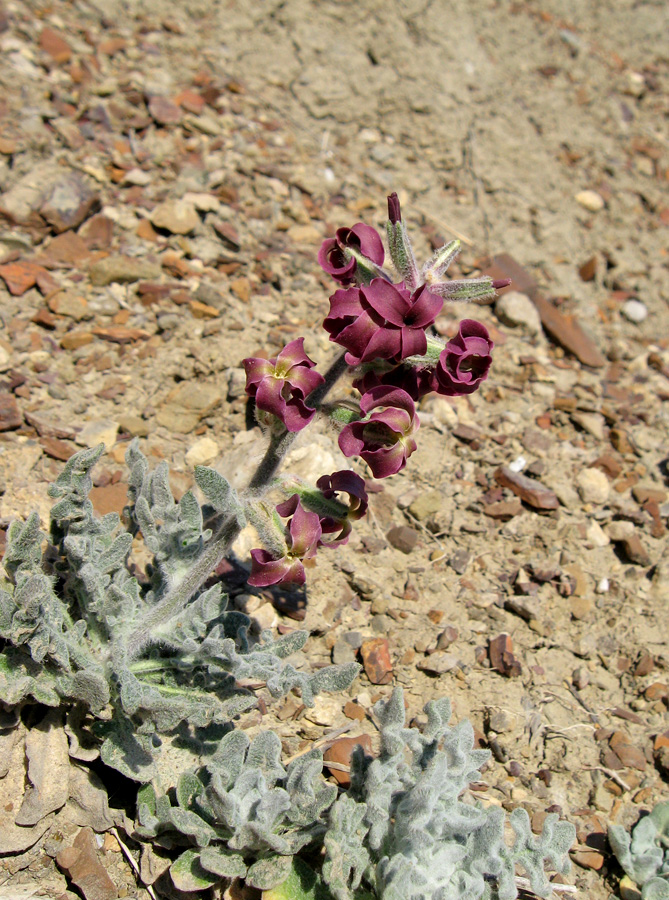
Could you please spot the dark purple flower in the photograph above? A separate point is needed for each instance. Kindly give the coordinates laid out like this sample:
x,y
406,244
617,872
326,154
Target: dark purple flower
x,y
304,533
339,256
281,385
416,381
384,439
465,360
381,320
344,481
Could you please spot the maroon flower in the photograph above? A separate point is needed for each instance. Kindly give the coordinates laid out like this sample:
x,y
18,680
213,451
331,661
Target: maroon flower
x,y
381,320
383,439
332,520
465,360
346,482
281,385
304,533
416,381
339,256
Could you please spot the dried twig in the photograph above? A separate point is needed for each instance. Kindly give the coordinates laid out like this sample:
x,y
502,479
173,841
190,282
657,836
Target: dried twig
x,y
612,775
131,859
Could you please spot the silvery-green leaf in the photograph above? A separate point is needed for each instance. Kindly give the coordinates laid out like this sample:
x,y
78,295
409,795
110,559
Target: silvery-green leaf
x,y
188,875
223,863
269,872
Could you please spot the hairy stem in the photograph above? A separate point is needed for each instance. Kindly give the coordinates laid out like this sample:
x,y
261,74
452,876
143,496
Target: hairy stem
x,y
180,593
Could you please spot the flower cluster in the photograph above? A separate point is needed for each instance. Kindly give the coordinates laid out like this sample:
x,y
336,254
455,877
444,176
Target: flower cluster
x,y
383,324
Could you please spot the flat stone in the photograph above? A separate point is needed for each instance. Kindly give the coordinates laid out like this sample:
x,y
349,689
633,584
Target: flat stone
x,y
81,863
122,270
68,248
69,201
438,663
593,486
163,111
503,510
635,550
588,859
97,232
403,538
133,425
202,452
99,431
75,339
10,414
46,426
67,303
186,404
517,310
53,43
175,216
427,505
121,334
20,276
375,655
529,490
202,310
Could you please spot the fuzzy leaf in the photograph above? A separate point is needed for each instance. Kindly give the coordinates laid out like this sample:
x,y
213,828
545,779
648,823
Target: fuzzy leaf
x,y
192,826
217,490
221,862
128,753
188,874
269,872
302,883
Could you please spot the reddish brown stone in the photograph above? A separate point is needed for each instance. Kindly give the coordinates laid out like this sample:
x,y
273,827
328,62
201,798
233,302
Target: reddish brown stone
x,y
503,510
81,863
163,111
203,310
57,449
51,428
120,334
97,232
376,661
111,46
76,339
562,328
656,691
44,318
661,741
403,538
589,269
68,248
627,753
53,43
528,489
353,710
644,664
588,859
190,101
635,550
340,752
500,652
10,414
20,276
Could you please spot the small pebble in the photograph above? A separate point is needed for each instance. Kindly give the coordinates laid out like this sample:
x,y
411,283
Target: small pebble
x,y
634,311
593,486
590,200
517,310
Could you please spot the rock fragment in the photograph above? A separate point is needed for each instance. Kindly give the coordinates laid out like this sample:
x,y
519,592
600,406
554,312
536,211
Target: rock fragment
x,y
590,200
403,538
529,490
186,404
122,270
10,414
593,486
69,201
340,753
81,863
375,655
175,216
517,310
500,653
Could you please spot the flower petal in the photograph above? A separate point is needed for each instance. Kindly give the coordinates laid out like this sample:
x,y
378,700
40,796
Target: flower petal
x,y
293,355
385,461
387,396
305,532
266,569
413,342
256,369
426,307
391,304
350,442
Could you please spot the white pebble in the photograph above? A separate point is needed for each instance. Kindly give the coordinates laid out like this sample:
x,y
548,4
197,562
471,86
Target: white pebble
x,y
593,486
602,586
634,311
518,464
590,200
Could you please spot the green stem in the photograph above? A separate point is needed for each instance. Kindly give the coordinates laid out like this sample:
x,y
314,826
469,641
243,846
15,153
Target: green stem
x,y
181,592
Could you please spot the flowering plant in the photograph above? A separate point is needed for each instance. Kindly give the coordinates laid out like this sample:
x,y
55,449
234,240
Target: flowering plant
x,y
382,322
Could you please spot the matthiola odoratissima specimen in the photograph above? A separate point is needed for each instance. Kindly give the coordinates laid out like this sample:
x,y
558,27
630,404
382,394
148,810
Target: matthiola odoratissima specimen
x,y
279,386
384,327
